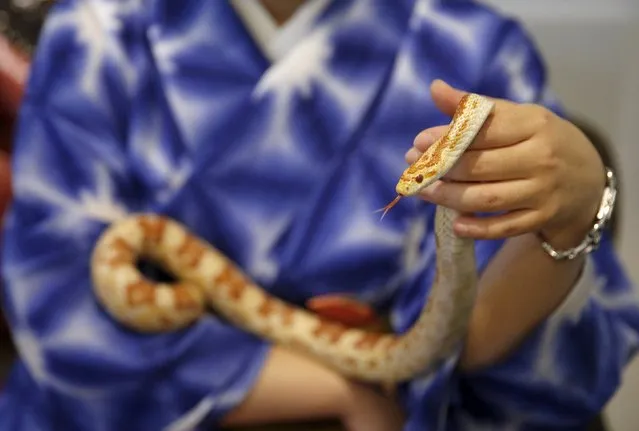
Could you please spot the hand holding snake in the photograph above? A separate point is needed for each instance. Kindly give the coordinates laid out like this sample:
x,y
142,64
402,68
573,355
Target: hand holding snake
x,y
533,168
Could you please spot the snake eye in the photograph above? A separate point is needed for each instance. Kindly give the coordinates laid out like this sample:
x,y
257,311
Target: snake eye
x,y
419,178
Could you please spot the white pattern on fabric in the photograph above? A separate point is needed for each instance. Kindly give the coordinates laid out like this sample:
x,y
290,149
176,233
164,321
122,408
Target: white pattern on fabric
x,y
281,166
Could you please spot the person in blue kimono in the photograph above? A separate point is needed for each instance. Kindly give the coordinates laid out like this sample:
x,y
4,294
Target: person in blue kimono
x,y
274,130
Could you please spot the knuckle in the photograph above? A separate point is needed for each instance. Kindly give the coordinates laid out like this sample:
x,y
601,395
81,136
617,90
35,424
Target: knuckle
x,y
547,157
498,230
543,117
490,201
547,117
475,167
509,230
539,117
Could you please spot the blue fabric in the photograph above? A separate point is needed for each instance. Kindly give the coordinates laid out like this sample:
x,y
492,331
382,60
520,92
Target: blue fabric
x,y
170,107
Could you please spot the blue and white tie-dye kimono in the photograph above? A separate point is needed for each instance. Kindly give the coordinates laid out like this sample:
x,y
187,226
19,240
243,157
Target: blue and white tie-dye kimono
x,y
171,107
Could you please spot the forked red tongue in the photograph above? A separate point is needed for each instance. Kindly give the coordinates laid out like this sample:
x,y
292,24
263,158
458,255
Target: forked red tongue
x,y
389,205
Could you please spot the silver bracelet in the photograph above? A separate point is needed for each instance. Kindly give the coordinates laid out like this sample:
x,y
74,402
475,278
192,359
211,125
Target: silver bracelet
x,y
593,237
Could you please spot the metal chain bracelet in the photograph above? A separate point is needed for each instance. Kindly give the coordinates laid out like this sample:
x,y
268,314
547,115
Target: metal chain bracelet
x,y
593,237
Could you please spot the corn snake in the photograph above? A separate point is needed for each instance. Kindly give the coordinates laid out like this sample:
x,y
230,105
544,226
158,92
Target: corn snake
x,y
208,278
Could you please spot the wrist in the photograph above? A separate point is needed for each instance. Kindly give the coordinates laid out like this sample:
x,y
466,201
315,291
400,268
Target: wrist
x,y
582,235
568,236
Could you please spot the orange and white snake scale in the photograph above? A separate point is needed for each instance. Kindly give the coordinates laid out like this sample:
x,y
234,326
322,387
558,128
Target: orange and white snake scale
x,y
207,278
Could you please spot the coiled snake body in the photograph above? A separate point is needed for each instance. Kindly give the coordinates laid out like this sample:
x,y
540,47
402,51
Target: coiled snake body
x,y
208,278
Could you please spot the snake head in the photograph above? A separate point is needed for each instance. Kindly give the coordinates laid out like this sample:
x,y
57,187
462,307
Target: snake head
x,y
414,180
441,156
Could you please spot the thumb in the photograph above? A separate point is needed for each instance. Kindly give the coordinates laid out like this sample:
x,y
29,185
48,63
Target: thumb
x,y
446,97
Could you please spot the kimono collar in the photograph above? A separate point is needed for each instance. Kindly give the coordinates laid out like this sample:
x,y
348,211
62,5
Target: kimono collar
x,y
276,41
333,58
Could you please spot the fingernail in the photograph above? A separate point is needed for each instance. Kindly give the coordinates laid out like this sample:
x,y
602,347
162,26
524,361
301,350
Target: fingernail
x,y
441,83
465,230
425,135
412,155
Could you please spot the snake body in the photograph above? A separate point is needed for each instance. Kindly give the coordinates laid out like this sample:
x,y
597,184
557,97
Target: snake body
x,y
207,278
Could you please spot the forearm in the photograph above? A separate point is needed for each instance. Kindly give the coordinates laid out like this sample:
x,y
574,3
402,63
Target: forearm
x,y
292,388
504,316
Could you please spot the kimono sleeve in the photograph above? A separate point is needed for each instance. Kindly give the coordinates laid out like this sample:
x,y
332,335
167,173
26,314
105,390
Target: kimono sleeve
x,y
567,370
72,176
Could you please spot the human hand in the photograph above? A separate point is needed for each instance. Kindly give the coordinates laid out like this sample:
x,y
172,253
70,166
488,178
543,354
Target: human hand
x,y
533,168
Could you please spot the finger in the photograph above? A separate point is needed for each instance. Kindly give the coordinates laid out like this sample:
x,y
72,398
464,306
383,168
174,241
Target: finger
x,y
422,141
495,164
412,155
500,226
483,197
428,137
446,97
510,123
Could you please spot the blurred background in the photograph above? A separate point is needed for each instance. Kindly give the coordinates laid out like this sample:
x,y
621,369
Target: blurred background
x,y
591,48
592,52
